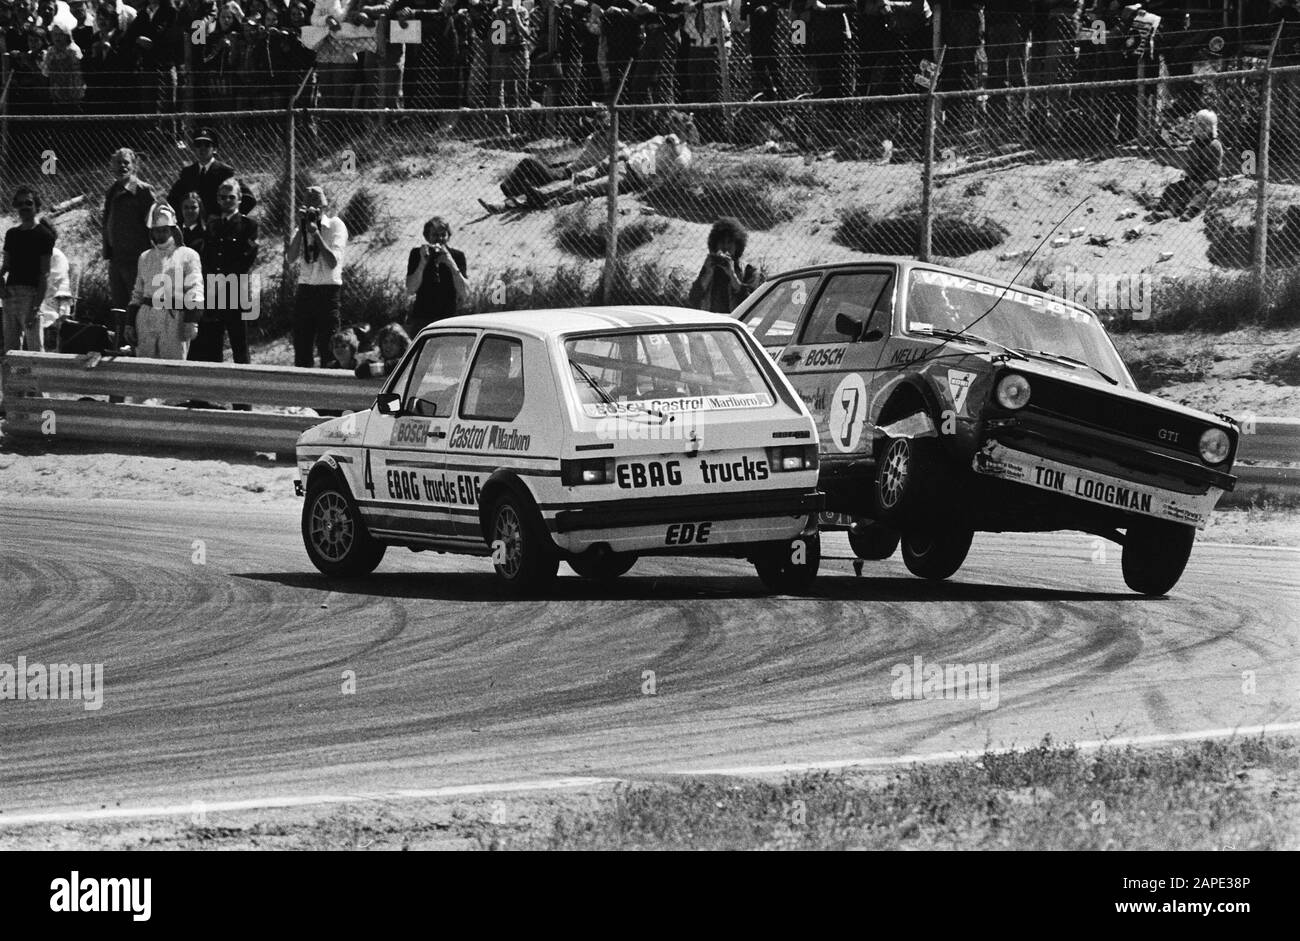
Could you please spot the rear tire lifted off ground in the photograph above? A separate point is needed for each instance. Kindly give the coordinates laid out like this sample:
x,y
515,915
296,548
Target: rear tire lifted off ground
x,y
872,540
936,554
906,480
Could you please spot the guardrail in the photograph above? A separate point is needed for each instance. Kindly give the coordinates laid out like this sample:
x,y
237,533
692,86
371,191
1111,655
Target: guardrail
x,y
28,377
1266,443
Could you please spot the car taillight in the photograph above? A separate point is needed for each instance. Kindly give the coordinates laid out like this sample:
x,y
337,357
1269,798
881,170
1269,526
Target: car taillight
x,y
1013,391
1215,445
599,470
795,457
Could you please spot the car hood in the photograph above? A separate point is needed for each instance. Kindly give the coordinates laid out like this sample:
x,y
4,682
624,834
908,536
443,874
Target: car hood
x,y
345,430
1083,377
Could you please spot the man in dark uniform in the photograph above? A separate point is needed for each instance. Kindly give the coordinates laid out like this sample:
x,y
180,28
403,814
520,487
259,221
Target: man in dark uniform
x,y
204,176
230,249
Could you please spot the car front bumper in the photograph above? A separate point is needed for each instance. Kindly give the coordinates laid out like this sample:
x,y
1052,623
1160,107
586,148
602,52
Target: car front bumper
x,y
1005,463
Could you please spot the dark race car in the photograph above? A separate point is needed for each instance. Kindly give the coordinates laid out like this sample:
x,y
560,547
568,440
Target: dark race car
x,y
949,403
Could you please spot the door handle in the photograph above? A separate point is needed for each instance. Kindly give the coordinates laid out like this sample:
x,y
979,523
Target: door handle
x,y
791,358
437,433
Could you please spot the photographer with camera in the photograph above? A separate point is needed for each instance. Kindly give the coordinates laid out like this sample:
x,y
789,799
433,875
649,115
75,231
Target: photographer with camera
x,y
435,277
720,285
319,241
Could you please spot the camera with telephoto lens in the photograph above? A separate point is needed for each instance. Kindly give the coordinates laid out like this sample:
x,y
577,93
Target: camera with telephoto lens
x,y
309,214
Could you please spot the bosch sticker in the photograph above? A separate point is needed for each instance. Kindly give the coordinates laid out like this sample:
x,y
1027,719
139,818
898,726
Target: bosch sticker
x,y
411,431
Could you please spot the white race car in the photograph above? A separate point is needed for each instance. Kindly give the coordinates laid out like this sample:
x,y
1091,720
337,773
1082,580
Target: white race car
x,y
589,435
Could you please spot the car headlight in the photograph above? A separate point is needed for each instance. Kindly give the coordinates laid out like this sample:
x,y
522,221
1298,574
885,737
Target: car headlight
x,y
1215,445
1013,391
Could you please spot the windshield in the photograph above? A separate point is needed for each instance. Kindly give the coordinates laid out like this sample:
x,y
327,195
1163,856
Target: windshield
x,y
667,371
938,302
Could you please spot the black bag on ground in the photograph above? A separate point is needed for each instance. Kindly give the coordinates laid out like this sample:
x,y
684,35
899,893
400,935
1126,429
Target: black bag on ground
x,y
79,336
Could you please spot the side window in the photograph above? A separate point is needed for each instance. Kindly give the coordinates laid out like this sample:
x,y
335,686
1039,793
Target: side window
x,y
494,390
435,380
857,295
773,319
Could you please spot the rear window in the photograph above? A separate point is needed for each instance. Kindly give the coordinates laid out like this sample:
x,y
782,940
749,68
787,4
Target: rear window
x,y
665,371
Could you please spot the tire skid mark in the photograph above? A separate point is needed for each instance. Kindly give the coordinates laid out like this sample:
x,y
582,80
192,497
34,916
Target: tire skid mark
x,y
224,674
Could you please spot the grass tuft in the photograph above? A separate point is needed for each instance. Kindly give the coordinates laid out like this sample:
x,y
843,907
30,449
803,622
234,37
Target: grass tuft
x,y
583,229
761,192
1049,797
362,212
955,231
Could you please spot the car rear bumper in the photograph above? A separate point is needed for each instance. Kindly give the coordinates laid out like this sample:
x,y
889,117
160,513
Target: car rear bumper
x,y
1091,487
619,514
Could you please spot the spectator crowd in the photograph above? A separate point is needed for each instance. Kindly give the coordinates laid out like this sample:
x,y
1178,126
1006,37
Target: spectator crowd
x,y
181,280
203,55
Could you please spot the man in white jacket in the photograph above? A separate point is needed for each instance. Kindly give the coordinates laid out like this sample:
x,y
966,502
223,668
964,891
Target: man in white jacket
x,y
168,298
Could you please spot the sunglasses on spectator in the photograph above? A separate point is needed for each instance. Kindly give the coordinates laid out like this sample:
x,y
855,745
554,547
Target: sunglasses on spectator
x,y
227,196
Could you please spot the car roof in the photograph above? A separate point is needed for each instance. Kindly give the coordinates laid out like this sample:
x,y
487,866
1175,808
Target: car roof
x,y
911,264
565,321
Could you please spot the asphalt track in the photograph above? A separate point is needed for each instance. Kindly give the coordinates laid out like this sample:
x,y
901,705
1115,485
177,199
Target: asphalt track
x,y
224,680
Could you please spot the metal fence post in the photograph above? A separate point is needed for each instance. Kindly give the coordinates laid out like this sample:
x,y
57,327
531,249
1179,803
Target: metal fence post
x,y
1261,172
1143,116
383,77
927,166
187,66
724,71
5,77
290,196
611,192
291,181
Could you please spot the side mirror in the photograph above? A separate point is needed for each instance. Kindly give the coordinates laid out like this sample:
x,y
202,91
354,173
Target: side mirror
x,y
848,326
872,335
388,403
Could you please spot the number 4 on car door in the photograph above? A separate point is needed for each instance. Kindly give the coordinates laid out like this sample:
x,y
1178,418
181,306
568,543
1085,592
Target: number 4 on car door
x,y
404,451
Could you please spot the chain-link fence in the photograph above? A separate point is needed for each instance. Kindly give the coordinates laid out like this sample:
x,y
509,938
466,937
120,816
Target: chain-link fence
x,y
1093,179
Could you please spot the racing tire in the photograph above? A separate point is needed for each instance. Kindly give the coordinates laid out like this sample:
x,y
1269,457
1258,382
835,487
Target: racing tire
x,y
604,567
1155,554
906,478
529,562
873,541
778,571
335,536
936,554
